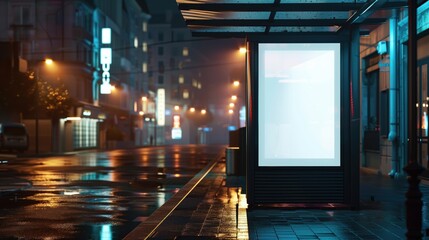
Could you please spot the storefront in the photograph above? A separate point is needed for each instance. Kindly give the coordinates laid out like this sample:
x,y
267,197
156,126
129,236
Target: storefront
x,y
83,131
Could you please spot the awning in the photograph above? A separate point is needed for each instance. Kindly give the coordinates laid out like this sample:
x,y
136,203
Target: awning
x,y
241,18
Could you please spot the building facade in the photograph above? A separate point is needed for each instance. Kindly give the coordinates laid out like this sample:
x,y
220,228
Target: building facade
x,y
70,33
172,56
384,96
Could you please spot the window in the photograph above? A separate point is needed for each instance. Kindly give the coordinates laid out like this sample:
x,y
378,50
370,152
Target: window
x,y
161,79
85,133
144,27
160,36
161,67
181,79
160,51
185,94
21,15
136,42
185,52
144,47
384,113
144,67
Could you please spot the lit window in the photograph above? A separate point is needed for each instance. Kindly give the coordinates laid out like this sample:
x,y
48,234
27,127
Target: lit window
x,y
144,47
185,52
144,26
181,79
199,86
185,94
136,42
144,67
194,83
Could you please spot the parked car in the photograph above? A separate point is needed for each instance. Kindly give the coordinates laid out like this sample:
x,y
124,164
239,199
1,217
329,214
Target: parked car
x,y
13,137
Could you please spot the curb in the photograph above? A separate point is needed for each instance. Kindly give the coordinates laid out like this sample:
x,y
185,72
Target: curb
x,y
145,229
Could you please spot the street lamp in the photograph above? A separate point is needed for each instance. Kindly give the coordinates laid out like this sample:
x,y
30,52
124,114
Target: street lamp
x,y
47,62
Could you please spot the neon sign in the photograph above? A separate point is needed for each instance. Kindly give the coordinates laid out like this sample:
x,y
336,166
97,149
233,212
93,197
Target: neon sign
x,y
106,61
160,106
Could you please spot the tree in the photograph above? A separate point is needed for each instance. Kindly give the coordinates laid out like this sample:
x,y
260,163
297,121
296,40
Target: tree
x,y
17,93
55,101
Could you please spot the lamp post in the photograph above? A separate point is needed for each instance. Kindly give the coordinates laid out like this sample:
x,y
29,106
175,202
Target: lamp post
x,y
48,62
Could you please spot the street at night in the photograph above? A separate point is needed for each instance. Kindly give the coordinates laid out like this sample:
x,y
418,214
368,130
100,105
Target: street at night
x,y
94,195
214,119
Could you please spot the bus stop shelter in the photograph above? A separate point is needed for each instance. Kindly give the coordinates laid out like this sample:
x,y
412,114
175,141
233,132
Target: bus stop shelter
x,y
302,91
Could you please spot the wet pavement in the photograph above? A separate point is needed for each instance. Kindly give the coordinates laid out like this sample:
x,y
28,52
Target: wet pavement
x,y
206,204
215,209
94,195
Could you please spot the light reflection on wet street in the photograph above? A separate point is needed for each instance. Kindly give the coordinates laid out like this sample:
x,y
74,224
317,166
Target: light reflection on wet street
x,y
95,195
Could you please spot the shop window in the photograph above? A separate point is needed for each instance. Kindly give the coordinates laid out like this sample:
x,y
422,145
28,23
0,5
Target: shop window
x,y
370,110
85,133
384,113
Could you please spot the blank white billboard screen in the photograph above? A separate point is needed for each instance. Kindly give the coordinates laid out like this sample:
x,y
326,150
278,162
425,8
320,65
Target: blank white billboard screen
x,y
299,104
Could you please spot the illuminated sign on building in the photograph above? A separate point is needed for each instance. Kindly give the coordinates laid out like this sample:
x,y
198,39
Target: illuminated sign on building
x,y
106,61
160,107
176,132
176,121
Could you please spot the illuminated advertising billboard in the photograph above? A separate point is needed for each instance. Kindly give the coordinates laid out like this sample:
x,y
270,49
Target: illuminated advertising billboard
x,y
299,104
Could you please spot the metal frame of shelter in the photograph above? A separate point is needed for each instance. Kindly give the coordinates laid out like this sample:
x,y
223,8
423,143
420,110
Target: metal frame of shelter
x,y
297,21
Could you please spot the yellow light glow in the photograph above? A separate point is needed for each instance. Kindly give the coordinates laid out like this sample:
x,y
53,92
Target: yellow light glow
x,y
231,105
243,50
49,61
112,87
177,108
231,111
192,109
236,83
144,99
73,118
141,113
233,97
203,111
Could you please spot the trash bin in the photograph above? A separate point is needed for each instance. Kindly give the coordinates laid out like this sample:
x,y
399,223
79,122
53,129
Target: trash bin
x,y
232,160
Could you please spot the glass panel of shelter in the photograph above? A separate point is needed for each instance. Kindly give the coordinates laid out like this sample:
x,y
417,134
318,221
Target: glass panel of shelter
x,y
422,111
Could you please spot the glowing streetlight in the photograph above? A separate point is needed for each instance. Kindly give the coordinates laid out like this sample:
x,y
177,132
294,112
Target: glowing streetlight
x,y
231,111
141,113
242,50
203,111
112,87
144,99
49,61
192,109
234,97
231,105
177,108
236,83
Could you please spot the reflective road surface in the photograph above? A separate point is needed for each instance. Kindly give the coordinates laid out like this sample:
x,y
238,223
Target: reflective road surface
x,y
96,195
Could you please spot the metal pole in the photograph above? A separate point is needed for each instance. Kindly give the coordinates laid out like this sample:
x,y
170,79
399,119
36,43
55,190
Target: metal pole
x,y
413,169
37,110
156,121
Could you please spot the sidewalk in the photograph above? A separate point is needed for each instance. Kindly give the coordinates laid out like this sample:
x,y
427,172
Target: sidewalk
x,y
215,210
